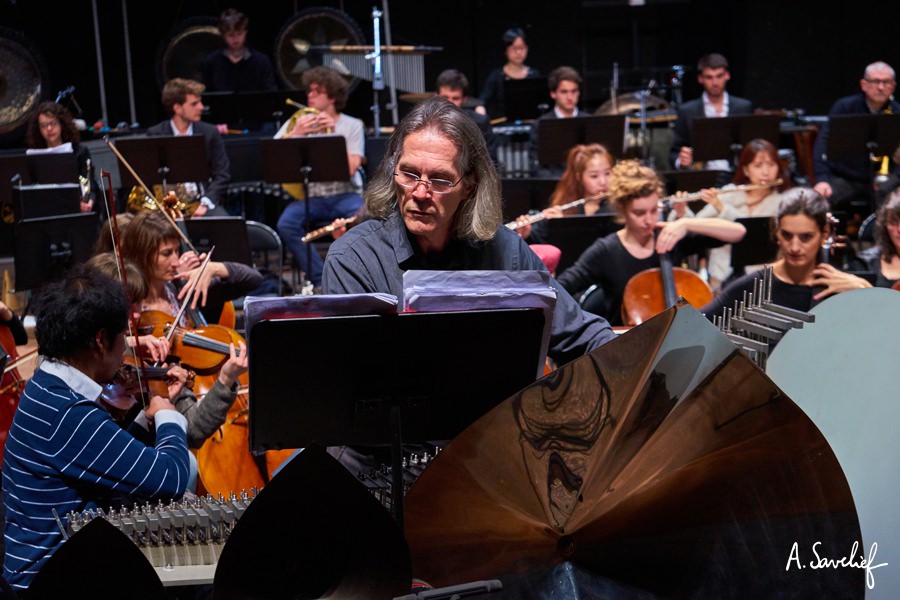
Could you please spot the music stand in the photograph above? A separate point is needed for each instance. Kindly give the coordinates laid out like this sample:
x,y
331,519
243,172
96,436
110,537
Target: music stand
x,y
525,99
47,247
45,200
715,138
13,171
53,167
853,136
523,194
227,234
573,234
164,159
305,159
248,110
476,360
756,247
557,136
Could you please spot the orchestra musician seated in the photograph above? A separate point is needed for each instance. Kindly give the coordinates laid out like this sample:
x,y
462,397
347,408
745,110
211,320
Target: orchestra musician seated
x,y
64,451
611,261
153,243
800,279
582,190
759,180
883,258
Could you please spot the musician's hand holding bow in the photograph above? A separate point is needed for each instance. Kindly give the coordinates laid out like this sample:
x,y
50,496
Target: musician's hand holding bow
x,y
203,281
152,346
157,403
835,281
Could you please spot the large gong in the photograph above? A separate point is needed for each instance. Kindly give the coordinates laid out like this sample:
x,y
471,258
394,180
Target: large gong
x,y
22,80
181,54
316,26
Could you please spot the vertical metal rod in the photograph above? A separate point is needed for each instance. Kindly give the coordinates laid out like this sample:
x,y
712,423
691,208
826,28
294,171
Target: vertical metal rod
x,y
389,40
129,73
103,112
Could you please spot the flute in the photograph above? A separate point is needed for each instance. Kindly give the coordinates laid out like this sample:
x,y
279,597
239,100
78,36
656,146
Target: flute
x,y
738,188
321,231
540,216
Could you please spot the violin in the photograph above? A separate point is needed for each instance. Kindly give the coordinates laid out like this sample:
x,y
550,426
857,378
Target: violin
x,y
203,349
132,388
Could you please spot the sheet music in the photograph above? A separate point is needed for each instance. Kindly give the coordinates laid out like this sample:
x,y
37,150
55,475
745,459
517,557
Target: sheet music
x,y
435,291
61,149
263,308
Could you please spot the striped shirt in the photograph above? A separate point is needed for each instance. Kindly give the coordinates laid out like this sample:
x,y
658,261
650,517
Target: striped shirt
x,y
65,452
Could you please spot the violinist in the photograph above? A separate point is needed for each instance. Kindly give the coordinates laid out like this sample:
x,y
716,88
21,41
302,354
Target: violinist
x,y
883,258
586,178
611,261
203,418
755,192
154,245
800,281
64,451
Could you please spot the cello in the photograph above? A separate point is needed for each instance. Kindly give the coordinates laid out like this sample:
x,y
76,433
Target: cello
x,y
11,385
652,291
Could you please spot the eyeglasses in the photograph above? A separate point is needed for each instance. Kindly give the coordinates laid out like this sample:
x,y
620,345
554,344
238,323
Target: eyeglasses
x,y
884,82
48,124
437,186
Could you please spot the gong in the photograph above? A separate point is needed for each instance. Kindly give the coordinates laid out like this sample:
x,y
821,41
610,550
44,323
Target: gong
x,y
181,54
22,79
295,46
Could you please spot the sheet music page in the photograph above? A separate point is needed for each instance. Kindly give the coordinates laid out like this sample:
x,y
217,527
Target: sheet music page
x,y
436,291
61,149
264,308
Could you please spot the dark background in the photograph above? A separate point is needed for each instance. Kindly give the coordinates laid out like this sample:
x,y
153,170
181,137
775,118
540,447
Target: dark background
x,y
784,55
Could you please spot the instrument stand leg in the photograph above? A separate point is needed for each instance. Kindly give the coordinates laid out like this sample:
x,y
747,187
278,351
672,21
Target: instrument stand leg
x,y
396,466
307,282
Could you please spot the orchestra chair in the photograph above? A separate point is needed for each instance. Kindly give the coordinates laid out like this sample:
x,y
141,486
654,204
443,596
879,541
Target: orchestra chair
x,y
264,241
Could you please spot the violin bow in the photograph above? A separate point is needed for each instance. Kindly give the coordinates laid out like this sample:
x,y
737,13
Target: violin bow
x,y
112,222
149,193
187,299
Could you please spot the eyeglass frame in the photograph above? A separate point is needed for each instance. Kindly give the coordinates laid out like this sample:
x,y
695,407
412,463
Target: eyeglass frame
x,y
884,82
48,124
429,184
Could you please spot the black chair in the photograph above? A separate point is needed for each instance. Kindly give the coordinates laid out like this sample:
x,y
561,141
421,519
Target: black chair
x,y
264,241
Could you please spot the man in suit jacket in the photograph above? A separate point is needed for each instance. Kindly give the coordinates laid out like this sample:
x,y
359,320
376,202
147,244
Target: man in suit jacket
x,y
842,180
181,99
713,76
565,89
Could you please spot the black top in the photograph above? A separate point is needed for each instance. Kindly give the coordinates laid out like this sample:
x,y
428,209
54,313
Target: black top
x,y
17,329
610,266
492,92
798,297
253,73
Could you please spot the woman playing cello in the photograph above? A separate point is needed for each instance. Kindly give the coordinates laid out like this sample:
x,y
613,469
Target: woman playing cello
x,y
612,261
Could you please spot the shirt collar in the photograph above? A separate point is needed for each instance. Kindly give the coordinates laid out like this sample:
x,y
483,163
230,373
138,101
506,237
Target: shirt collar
x,y
559,114
75,379
710,110
190,129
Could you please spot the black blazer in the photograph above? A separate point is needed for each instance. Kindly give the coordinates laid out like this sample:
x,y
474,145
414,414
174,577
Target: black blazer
x,y
219,174
693,109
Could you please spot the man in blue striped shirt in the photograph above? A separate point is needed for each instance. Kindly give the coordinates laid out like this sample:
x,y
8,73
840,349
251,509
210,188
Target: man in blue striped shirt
x,y
64,451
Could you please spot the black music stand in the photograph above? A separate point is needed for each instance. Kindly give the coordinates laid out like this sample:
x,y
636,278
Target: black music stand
x,y
352,394
757,247
573,234
304,160
557,136
50,200
52,167
164,159
46,248
227,234
250,110
858,136
717,138
524,194
525,99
